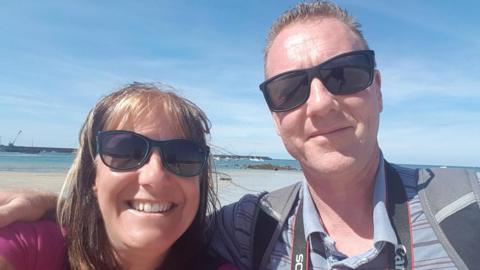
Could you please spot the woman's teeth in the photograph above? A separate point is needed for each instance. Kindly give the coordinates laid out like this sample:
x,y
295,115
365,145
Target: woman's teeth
x,y
151,207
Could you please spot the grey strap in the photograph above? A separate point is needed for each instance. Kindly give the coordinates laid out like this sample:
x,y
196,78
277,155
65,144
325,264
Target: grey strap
x,y
447,192
272,213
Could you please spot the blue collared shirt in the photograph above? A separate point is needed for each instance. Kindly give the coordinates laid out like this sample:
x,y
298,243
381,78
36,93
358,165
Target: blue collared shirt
x,y
234,223
382,229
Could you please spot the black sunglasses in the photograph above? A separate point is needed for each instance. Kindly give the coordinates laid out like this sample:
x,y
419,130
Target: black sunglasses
x,y
343,74
125,151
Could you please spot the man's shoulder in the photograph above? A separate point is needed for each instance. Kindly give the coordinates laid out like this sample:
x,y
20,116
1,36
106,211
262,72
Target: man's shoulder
x,y
235,219
405,173
232,230
420,178
273,200
448,198
245,206
408,176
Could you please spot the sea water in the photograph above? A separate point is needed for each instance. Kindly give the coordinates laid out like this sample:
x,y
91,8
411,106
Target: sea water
x,y
233,180
240,180
42,162
60,162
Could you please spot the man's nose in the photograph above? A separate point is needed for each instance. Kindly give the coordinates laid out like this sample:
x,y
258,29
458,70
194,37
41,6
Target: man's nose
x,y
321,101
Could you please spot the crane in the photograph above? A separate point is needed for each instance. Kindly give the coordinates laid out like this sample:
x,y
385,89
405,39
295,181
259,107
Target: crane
x,y
12,143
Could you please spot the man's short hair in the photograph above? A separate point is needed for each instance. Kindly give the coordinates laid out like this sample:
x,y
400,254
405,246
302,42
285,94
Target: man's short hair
x,y
311,10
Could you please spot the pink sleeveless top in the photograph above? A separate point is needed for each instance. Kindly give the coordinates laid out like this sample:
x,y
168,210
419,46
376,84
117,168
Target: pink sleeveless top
x,y
33,245
40,245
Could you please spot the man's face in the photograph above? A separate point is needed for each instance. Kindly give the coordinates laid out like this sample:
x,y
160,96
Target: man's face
x,y
330,135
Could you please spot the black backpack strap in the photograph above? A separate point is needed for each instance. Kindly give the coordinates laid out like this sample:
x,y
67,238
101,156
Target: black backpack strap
x,y
451,201
271,214
397,204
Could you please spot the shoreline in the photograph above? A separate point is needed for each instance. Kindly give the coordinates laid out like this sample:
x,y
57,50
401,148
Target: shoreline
x,y
229,189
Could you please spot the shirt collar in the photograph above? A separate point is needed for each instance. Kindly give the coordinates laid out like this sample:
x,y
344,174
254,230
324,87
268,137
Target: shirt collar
x,y
311,219
382,228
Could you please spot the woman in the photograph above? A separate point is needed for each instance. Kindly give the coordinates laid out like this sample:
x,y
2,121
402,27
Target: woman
x,y
139,189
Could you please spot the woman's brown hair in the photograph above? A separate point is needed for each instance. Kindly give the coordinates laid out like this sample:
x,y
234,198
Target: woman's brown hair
x,y
78,210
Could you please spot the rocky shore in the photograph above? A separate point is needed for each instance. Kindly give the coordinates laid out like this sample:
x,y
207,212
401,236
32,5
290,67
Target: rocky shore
x,y
268,166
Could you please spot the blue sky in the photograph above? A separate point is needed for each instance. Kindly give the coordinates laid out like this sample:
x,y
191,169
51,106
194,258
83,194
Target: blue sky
x,y
58,57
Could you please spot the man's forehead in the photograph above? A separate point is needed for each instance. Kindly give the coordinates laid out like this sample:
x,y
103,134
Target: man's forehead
x,y
296,44
308,43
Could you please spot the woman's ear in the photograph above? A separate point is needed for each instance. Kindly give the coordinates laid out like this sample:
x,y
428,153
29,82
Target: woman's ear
x,y
94,188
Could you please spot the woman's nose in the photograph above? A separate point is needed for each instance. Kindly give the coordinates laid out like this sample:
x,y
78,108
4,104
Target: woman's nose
x,y
153,172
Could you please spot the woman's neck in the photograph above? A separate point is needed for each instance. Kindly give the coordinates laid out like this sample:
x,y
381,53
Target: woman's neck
x,y
140,260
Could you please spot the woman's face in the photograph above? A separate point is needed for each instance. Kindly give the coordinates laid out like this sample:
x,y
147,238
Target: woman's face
x,y
146,210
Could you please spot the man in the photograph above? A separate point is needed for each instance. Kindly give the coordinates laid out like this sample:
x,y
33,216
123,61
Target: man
x,y
325,97
354,210
334,137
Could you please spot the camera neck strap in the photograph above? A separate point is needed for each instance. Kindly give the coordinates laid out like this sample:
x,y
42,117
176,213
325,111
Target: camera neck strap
x,y
400,255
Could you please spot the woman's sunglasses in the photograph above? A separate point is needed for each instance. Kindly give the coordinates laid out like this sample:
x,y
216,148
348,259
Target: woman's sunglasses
x,y
343,74
125,151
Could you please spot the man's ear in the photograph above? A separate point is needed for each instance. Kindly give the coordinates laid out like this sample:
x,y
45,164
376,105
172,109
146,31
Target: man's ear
x,y
377,80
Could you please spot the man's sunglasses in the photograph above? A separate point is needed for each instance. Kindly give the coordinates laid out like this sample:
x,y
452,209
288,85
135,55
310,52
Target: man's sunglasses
x,y
343,74
125,151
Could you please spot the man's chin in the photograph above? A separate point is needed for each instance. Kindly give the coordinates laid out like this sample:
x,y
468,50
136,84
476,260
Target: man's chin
x,y
328,163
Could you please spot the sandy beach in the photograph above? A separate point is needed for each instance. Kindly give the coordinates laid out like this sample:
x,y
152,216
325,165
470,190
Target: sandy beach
x,y
44,181
242,181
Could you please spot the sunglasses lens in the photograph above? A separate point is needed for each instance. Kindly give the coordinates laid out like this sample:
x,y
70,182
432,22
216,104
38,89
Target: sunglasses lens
x,y
348,74
122,151
287,91
184,157
342,75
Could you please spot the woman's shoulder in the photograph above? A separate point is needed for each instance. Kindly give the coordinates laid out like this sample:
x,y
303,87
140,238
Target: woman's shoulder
x,y
30,245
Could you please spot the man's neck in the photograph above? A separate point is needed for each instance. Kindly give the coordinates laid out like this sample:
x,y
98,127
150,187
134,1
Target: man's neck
x,y
345,207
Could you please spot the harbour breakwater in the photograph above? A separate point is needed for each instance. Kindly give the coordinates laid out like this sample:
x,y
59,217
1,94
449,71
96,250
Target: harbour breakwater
x,y
34,149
